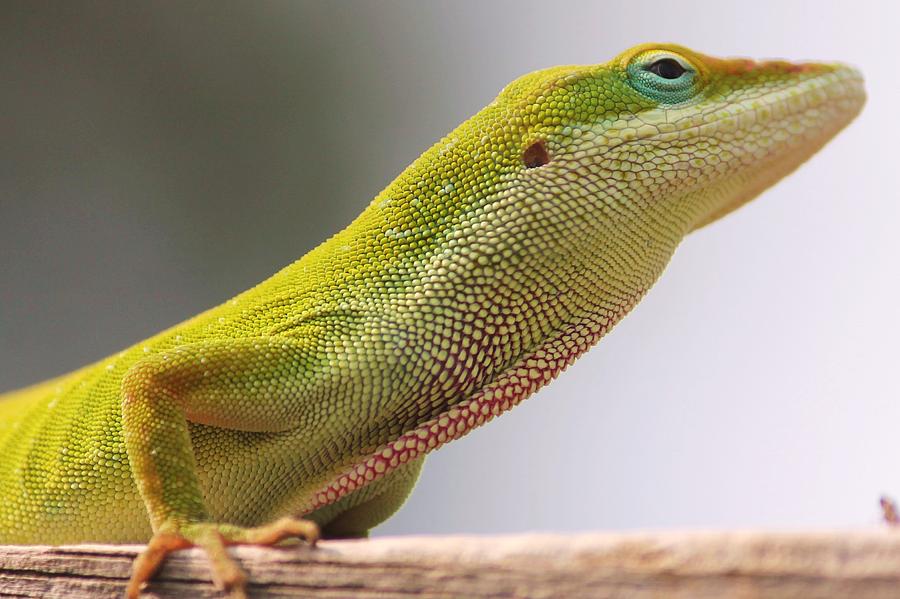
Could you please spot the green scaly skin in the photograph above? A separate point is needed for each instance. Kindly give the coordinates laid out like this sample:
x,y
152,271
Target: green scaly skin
x,y
491,263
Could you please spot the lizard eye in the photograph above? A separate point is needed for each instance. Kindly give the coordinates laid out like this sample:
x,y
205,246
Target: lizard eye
x,y
667,68
663,76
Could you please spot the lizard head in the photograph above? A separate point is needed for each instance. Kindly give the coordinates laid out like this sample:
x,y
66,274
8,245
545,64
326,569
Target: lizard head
x,y
662,126
604,168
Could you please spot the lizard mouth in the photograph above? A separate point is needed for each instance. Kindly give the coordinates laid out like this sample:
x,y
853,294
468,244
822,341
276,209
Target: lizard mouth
x,y
761,140
790,121
823,103
733,147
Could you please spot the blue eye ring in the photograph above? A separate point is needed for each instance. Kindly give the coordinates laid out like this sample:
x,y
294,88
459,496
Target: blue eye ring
x,y
664,77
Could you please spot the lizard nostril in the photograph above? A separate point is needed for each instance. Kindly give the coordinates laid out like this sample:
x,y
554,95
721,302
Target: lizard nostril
x,y
535,155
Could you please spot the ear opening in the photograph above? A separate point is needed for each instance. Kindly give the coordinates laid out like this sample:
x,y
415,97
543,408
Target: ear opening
x,y
536,155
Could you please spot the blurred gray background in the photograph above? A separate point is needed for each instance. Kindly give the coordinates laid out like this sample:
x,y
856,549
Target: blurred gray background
x,y
157,158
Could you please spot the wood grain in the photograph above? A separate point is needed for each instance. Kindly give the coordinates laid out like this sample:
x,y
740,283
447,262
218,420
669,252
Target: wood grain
x,y
860,564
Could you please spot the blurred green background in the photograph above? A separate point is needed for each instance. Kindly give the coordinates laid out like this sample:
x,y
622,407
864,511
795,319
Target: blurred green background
x,y
157,158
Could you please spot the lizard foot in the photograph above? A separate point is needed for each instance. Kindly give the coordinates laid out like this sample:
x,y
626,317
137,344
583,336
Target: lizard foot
x,y
213,538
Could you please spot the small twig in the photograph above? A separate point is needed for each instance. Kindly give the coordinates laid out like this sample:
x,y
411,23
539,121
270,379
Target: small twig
x,y
889,511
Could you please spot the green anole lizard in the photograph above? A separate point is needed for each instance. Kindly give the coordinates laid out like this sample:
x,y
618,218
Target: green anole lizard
x,y
496,259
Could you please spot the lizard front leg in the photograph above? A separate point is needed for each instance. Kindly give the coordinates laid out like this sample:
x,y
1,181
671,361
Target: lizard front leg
x,y
257,385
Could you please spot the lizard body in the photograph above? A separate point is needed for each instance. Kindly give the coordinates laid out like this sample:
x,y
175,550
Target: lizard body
x,y
491,263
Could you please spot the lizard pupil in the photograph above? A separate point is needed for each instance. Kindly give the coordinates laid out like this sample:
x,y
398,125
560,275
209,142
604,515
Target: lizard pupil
x,y
535,155
667,68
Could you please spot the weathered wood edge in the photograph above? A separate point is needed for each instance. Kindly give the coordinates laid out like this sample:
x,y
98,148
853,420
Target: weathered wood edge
x,y
857,564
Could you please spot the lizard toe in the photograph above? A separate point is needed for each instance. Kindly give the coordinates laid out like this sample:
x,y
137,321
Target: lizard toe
x,y
213,539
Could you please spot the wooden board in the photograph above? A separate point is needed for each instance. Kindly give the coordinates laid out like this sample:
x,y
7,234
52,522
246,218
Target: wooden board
x,y
671,565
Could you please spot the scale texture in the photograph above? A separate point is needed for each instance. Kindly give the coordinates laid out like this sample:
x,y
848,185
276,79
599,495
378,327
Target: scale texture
x,y
491,263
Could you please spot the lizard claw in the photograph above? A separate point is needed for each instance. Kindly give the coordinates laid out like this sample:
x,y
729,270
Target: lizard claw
x,y
213,539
